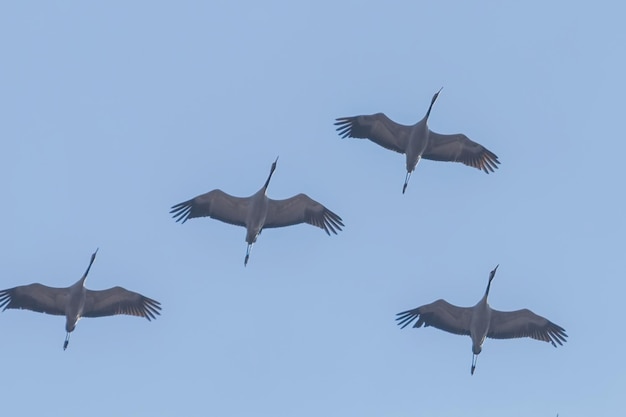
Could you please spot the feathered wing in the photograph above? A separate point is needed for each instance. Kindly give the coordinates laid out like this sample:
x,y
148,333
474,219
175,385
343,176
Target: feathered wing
x,y
459,148
301,209
216,204
376,127
35,297
118,300
440,314
524,323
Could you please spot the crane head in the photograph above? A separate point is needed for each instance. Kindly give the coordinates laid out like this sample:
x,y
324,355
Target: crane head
x,y
273,166
493,273
435,96
93,258
270,176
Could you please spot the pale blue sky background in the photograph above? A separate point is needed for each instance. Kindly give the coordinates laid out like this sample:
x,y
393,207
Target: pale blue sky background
x,y
111,112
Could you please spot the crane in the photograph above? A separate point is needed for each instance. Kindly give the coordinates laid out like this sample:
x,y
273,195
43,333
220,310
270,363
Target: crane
x,y
482,321
417,141
76,301
258,212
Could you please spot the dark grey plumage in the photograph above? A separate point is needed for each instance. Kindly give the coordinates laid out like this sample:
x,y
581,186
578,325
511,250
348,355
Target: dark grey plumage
x,y
258,212
76,301
417,141
482,321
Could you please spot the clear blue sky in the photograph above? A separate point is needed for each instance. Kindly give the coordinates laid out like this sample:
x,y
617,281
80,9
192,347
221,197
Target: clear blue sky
x,y
111,112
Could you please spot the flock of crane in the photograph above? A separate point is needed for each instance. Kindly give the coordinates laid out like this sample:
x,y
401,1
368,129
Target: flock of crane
x,y
259,212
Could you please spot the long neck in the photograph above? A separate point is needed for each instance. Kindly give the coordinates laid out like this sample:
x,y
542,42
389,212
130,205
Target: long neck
x,y
267,183
93,258
487,290
432,102
491,275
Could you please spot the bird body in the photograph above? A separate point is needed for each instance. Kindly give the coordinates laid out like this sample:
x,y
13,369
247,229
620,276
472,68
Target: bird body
x,y
76,301
481,321
76,297
417,144
417,141
479,324
258,212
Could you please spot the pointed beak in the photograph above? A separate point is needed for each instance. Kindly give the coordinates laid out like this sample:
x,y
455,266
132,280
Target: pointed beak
x,y
436,95
493,273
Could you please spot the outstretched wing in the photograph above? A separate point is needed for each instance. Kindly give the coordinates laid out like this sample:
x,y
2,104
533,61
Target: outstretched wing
x,y
118,300
376,127
301,209
440,314
524,323
35,297
216,204
459,148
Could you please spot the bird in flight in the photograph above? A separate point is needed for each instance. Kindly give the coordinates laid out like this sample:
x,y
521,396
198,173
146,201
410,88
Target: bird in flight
x,y
417,141
482,321
258,212
76,301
